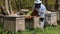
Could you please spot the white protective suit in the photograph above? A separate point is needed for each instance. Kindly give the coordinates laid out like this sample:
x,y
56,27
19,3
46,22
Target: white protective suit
x,y
41,13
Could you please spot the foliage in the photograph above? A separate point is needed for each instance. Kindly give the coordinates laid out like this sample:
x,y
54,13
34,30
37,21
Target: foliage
x,y
29,3
1,1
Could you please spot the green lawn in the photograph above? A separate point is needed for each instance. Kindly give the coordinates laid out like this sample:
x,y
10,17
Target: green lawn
x,y
47,30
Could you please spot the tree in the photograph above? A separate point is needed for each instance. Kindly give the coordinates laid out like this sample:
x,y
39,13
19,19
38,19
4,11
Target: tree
x,y
8,7
56,5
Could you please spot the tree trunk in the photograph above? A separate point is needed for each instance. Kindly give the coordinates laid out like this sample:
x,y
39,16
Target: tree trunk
x,y
56,5
7,7
58,9
59,4
16,2
10,7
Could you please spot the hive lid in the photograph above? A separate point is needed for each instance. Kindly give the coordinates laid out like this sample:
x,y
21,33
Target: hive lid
x,y
24,10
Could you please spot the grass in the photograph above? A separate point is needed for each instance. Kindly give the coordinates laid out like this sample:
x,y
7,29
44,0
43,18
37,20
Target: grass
x,y
47,30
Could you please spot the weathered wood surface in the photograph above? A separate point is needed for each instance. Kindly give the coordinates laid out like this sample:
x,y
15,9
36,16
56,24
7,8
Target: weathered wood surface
x,y
14,23
51,18
37,23
1,19
33,22
29,23
54,18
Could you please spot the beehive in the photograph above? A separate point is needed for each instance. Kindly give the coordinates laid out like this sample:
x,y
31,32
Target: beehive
x,y
29,23
51,18
37,23
1,19
54,18
14,23
33,22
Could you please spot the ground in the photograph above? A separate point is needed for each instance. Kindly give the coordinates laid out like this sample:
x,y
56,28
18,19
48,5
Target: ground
x,y
47,30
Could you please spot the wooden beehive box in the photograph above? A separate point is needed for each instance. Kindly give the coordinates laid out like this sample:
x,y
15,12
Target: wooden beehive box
x,y
1,19
33,22
47,18
14,23
37,23
54,18
51,18
29,23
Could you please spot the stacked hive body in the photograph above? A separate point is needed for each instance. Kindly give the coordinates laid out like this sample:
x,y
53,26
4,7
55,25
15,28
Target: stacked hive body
x,y
48,18
37,23
33,22
51,18
29,23
1,19
54,18
14,23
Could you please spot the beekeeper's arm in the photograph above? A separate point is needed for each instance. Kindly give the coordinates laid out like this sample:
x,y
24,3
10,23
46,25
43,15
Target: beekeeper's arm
x,y
43,9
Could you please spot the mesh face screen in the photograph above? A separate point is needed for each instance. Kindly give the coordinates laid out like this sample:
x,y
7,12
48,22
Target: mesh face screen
x,y
37,5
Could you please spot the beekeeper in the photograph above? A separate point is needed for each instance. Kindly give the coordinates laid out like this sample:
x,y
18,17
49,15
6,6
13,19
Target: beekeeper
x,y
41,11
